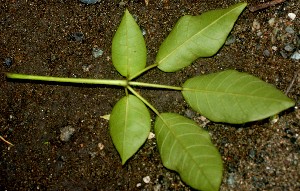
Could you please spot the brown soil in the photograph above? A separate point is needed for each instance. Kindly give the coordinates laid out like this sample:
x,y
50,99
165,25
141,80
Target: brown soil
x,y
39,37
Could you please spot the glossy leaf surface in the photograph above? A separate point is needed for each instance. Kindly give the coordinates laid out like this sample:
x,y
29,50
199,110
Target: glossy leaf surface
x,y
128,47
234,97
186,148
129,126
196,36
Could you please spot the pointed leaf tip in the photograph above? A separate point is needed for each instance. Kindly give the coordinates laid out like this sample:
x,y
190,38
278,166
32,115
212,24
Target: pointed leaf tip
x,y
129,126
128,47
196,36
234,97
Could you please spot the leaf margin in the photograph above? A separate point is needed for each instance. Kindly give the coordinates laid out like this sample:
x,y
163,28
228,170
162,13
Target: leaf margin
x,y
217,174
212,112
126,144
129,54
168,60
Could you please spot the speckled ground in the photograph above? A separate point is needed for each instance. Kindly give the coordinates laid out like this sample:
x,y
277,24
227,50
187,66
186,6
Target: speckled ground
x,y
41,37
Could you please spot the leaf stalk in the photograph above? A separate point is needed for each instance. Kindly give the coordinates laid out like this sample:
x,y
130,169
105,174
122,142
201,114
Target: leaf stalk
x,y
68,80
142,84
144,100
142,71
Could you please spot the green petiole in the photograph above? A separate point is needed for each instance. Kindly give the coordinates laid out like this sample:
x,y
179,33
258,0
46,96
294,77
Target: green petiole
x,y
68,80
123,83
142,84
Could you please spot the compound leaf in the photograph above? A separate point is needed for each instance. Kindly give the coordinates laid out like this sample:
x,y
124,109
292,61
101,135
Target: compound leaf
x,y
234,97
129,126
187,149
196,36
128,47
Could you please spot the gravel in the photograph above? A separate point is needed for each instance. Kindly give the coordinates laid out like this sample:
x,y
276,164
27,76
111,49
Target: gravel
x,y
89,1
66,133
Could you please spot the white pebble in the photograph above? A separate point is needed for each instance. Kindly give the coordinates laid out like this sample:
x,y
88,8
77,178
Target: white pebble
x,y
255,25
66,133
101,146
259,33
271,22
292,16
146,179
151,135
86,68
143,32
274,119
97,52
202,118
296,55
138,184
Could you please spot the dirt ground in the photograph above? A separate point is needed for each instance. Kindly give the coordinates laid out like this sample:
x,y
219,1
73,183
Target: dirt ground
x,y
57,37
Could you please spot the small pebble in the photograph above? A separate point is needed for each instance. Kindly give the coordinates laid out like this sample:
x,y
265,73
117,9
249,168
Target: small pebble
x,y
76,36
292,16
138,185
289,30
271,22
252,153
66,133
202,118
255,25
258,46
122,3
231,179
289,48
86,67
146,179
97,52
88,2
151,135
296,55
259,33
190,113
100,146
8,62
143,31
274,119
283,54
239,130
93,154
274,48
157,187
230,40
266,53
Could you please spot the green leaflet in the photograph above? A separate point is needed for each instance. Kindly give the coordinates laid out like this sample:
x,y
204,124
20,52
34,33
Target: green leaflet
x,y
129,126
196,36
234,97
128,47
186,148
